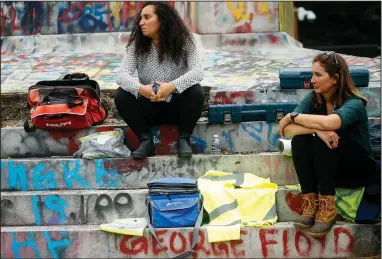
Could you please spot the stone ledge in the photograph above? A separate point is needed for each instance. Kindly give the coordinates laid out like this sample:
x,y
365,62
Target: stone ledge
x,y
256,136
257,95
278,241
126,173
71,207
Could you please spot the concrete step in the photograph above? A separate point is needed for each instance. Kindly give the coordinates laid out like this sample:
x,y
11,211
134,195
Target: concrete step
x,y
126,173
100,206
257,136
265,91
279,241
237,137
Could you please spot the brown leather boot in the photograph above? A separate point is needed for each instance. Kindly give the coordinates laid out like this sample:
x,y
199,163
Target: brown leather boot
x,y
309,210
325,217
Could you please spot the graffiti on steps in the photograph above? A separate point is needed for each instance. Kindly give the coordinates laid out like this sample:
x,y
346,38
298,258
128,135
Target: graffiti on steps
x,y
177,243
91,207
35,245
294,202
43,178
48,143
259,96
78,174
241,137
74,209
301,239
121,203
262,242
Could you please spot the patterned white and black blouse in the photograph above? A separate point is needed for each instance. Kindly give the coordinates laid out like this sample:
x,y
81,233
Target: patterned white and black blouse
x,y
150,69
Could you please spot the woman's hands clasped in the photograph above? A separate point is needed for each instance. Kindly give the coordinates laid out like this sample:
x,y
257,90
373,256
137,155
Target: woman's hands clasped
x,y
147,91
164,89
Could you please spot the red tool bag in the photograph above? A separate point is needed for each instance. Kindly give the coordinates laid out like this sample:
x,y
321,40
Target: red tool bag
x,y
71,103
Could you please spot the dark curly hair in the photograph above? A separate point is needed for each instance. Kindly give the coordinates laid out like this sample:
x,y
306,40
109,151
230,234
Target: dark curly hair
x,y
173,33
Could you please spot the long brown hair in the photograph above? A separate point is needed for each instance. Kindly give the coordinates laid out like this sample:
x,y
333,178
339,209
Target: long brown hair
x,y
335,64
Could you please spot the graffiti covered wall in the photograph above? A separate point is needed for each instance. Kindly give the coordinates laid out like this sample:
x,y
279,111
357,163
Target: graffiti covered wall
x,y
30,18
236,17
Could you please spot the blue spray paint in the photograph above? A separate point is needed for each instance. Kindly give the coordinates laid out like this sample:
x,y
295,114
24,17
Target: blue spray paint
x,y
29,243
57,204
60,245
70,175
106,178
227,137
17,176
155,131
246,127
36,210
272,138
43,181
199,143
53,203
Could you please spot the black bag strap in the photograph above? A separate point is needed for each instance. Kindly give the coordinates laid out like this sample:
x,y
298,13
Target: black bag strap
x,y
195,235
28,128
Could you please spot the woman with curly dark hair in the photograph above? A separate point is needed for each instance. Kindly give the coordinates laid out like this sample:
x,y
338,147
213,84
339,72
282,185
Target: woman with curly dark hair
x,y
163,51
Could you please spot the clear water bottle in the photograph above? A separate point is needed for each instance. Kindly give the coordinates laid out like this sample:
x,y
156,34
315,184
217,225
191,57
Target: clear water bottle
x,y
215,147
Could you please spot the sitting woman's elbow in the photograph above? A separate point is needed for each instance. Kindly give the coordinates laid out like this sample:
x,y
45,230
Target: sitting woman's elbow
x,y
200,75
288,131
119,81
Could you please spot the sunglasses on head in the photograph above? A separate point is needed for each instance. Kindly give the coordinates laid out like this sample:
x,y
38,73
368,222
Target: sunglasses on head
x,y
328,53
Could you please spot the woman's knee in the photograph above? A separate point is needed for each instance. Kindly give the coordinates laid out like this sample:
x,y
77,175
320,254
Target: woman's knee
x,y
121,98
301,142
194,93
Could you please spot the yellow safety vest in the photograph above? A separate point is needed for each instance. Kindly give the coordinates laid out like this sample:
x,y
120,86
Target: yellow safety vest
x,y
234,200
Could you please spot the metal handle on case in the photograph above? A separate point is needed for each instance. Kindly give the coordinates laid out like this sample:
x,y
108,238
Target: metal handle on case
x,y
279,115
254,112
227,118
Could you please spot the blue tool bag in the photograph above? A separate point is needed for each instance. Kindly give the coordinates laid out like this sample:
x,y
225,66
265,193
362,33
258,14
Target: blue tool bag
x,y
173,203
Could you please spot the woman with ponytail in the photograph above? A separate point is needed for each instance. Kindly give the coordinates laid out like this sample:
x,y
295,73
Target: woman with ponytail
x,y
331,143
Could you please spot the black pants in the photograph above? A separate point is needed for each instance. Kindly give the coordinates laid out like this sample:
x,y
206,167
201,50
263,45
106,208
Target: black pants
x,y
140,114
320,169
